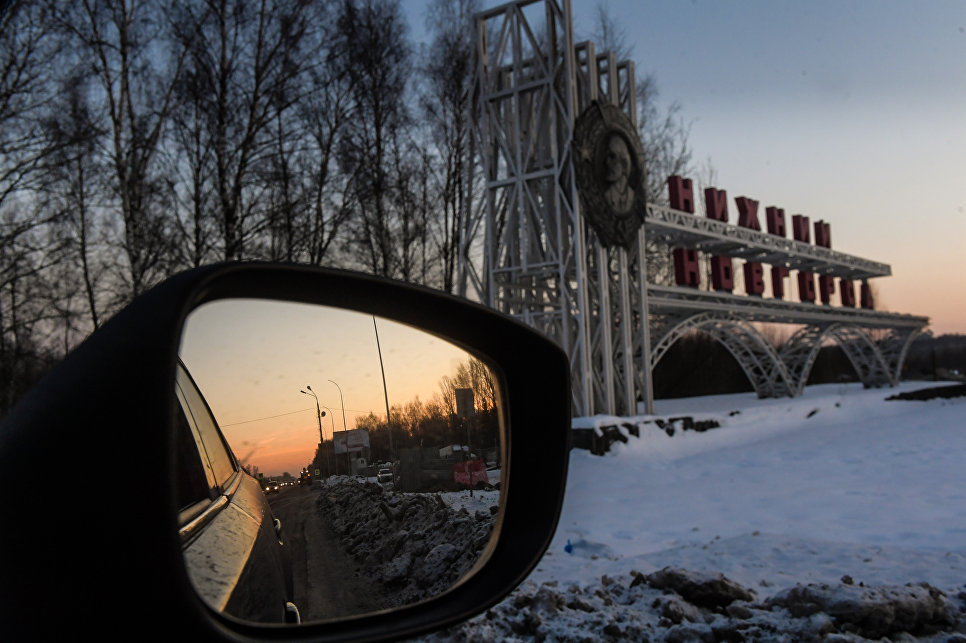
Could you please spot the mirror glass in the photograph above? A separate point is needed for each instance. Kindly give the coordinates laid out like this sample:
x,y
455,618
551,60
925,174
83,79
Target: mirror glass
x,y
284,421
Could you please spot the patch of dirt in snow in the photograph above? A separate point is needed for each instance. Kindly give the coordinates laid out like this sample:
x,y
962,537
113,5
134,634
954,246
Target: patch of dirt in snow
x,y
677,605
944,392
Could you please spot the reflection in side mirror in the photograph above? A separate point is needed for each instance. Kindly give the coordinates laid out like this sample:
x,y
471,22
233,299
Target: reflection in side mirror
x,y
377,514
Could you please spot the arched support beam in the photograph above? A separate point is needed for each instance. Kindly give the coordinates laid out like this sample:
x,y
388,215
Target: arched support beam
x,y
863,352
747,345
895,346
798,354
800,351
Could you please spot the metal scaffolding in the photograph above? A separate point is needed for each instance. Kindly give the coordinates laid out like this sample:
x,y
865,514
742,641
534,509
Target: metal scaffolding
x,y
541,262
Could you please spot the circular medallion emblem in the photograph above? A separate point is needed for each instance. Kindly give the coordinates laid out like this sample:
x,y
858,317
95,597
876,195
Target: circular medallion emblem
x,y
609,168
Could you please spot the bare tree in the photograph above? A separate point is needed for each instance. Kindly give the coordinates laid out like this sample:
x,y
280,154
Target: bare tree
x,y
28,44
308,200
412,203
27,47
370,44
609,34
472,374
125,44
190,175
24,311
445,106
323,113
663,131
242,59
413,414
664,136
70,187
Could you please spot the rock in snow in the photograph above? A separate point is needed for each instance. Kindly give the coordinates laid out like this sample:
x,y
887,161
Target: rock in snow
x,y
661,607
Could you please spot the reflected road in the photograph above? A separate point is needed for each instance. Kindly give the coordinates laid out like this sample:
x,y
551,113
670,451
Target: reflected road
x,y
326,580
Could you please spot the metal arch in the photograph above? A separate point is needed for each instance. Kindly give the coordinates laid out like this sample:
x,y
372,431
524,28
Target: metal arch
x,y
801,350
757,358
798,354
866,358
894,348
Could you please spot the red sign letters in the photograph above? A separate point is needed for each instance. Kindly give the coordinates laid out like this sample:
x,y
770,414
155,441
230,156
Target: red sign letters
x,y
687,270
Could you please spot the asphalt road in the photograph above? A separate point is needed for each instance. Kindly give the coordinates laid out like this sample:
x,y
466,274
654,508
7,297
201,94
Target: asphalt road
x,y
326,582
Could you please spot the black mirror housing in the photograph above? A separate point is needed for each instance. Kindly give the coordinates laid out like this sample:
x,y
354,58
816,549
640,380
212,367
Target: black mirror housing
x,y
108,558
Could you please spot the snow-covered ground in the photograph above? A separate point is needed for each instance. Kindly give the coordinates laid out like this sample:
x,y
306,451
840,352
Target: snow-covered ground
x,y
836,482
834,516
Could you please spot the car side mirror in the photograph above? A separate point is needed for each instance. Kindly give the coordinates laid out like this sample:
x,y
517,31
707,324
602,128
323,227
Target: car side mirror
x,y
115,552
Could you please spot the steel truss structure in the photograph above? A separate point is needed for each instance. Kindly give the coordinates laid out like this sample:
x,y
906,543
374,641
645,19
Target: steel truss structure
x,y
541,262
684,230
773,372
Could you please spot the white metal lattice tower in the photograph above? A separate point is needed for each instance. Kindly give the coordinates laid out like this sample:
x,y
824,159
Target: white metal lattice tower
x,y
541,262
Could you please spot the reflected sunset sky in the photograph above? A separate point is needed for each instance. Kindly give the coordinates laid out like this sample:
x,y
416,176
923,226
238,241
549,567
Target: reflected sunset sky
x,y
250,358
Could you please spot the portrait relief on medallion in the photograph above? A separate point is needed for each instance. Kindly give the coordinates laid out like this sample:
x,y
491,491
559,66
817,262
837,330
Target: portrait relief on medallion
x,y
609,168
617,168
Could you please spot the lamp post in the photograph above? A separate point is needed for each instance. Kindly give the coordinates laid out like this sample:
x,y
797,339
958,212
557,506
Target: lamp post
x,y
332,420
318,416
318,411
348,459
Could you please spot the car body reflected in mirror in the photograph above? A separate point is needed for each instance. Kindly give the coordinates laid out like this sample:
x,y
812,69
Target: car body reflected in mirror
x,y
377,514
231,542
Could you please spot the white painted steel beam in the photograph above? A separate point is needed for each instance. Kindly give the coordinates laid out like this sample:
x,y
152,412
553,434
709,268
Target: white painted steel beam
x,y
685,230
760,309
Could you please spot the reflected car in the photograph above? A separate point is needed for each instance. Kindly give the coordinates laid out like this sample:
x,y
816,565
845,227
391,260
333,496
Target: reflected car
x,y
384,475
223,515
272,486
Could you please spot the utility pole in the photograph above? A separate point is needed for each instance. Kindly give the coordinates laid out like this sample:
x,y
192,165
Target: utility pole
x,y
385,392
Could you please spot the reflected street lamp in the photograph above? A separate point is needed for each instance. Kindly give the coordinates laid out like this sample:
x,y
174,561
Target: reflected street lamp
x,y
348,459
328,456
318,411
318,415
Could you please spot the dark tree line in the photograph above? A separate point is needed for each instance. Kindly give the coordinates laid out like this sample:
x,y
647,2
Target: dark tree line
x,y
138,139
